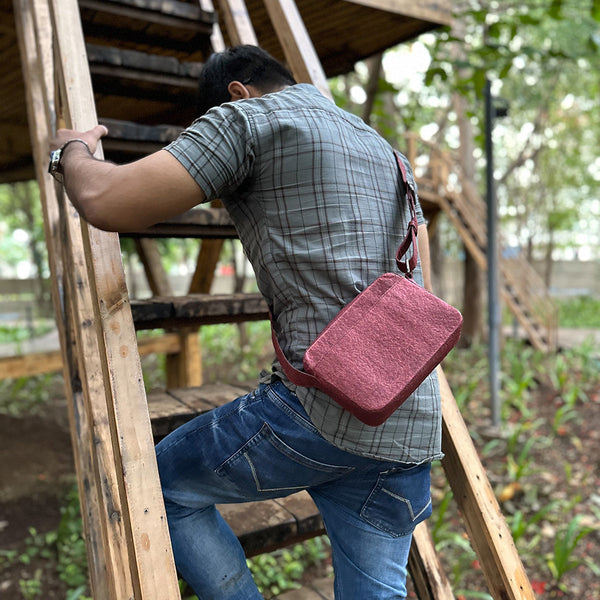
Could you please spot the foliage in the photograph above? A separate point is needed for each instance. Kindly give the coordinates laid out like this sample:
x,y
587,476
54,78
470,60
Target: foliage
x,y
62,549
28,395
562,560
282,570
580,311
547,527
222,350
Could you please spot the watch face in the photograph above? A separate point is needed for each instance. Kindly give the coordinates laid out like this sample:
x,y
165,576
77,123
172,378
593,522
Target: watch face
x,y
54,163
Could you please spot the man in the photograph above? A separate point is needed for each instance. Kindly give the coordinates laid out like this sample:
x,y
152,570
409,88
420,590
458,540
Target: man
x,y
320,209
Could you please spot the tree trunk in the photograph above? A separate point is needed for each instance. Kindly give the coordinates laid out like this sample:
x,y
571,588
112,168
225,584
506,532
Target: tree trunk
x,y
374,67
472,329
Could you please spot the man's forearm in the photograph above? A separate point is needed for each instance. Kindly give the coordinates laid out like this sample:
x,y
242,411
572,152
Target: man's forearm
x,y
85,181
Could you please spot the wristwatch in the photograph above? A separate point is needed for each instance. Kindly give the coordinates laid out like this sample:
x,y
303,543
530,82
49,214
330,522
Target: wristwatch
x,y
56,155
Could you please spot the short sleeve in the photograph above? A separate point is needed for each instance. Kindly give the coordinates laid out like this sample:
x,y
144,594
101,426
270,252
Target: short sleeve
x,y
216,150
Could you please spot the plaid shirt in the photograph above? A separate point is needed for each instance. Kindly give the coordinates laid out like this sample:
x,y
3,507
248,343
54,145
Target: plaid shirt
x,y
316,198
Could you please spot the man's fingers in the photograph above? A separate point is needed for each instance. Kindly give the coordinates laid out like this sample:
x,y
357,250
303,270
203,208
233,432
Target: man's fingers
x,y
100,131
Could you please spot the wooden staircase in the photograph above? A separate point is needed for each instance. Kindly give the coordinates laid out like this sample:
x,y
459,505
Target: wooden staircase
x,y
442,182
114,425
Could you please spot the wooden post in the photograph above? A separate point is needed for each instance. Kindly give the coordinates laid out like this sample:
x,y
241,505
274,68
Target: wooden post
x,y
426,571
35,44
128,542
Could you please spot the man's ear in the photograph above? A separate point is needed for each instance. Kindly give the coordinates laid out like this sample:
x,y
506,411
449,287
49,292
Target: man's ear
x,y
238,91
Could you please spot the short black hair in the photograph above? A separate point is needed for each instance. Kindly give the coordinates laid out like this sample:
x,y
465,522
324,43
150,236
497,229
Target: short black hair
x,y
246,64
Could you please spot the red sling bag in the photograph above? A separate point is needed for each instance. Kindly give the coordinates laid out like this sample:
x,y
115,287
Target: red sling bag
x,y
381,346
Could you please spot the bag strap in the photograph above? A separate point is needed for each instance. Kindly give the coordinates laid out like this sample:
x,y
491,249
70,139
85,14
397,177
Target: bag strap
x,y
408,266
303,379
297,377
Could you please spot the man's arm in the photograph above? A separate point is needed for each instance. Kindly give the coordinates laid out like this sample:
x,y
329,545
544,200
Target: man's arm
x,y
123,197
423,243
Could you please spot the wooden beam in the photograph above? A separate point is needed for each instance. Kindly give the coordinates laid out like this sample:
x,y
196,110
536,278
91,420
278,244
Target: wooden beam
x,y
35,42
237,22
439,12
297,46
157,277
490,537
198,309
184,368
425,569
146,569
40,363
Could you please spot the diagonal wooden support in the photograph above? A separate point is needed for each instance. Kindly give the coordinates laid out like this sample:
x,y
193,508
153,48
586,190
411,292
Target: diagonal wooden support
x,y
297,46
489,534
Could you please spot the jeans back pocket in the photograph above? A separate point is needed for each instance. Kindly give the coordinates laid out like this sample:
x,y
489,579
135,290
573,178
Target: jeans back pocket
x,y
267,465
400,500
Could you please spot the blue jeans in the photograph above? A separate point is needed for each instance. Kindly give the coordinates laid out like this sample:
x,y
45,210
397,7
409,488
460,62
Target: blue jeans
x,y
261,446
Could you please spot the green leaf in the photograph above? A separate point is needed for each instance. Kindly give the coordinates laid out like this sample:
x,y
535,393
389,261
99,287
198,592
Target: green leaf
x,y
555,9
595,10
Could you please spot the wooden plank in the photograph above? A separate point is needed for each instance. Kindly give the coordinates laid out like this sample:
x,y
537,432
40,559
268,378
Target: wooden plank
x,y
39,363
148,563
126,130
196,223
216,37
427,574
490,537
306,513
237,22
143,62
439,12
35,42
260,526
166,13
297,45
198,309
13,367
208,396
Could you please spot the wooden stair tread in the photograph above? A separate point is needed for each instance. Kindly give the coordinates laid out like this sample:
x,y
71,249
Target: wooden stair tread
x,y
260,526
203,223
319,589
139,76
142,62
270,524
164,312
171,408
161,25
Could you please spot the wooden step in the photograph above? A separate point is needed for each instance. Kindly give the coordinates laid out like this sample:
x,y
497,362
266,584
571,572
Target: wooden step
x,y
143,76
161,26
171,408
174,312
200,223
271,524
127,141
260,526
319,589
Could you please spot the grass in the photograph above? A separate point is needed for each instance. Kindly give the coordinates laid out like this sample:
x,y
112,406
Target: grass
x,y
579,312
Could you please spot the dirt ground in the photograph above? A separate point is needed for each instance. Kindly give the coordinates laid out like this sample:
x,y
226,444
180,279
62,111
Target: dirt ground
x,y
36,470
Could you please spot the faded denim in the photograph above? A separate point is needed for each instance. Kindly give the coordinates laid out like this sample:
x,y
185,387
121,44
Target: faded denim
x,y
262,446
